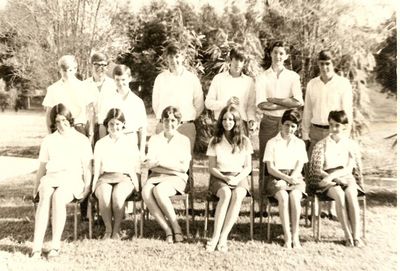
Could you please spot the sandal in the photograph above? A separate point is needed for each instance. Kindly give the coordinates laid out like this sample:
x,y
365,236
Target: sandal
x,y
36,254
169,239
211,246
53,253
178,237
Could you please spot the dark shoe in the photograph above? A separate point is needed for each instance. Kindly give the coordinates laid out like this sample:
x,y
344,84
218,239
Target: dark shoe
x,y
178,237
324,214
333,217
349,243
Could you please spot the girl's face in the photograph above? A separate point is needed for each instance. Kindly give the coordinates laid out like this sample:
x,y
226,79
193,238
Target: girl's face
x,y
336,128
236,66
62,124
326,68
171,123
228,121
288,128
175,62
122,81
115,127
278,55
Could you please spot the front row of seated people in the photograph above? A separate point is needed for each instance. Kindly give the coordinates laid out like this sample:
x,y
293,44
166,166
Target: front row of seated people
x,y
64,174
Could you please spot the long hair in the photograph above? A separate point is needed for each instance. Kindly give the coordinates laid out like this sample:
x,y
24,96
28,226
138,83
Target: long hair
x,y
60,109
235,136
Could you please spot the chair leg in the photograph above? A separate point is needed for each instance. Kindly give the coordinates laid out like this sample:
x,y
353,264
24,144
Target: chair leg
x,y
268,221
306,214
76,221
135,219
261,207
90,214
251,219
314,212
364,217
141,218
206,214
319,221
187,217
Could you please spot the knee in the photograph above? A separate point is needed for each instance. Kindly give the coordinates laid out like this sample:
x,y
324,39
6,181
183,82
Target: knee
x,y
282,197
238,194
147,192
117,198
224,194
158,192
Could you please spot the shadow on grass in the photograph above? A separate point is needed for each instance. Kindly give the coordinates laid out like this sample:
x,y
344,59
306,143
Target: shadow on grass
x,y
13,249
19,151
381,197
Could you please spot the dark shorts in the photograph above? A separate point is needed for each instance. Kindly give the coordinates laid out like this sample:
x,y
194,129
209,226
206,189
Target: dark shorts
x,y
216,183
273,185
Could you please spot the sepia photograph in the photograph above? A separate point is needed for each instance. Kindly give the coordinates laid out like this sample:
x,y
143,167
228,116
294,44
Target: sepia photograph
x,y
198,135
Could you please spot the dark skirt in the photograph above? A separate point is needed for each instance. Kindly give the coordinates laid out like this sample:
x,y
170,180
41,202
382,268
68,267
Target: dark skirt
x,y
273,184
217,183
112,178
348,178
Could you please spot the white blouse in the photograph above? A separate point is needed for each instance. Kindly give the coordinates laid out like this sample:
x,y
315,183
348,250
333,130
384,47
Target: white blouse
x,y
226,160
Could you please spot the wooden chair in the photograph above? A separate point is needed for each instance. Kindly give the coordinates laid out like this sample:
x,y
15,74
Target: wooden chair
x,y
135,197
316,214
75,203
211,198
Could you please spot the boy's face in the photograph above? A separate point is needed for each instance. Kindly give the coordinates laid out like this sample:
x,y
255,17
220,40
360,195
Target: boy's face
x,y
326,68
68,70
122,81
175,62
289,128
99,68
278,55
236,66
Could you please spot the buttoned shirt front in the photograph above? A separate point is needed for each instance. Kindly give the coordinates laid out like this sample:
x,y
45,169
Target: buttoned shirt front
x,y
121,155
104,94
76,95
224,86
226,160
323,98
182,91
269,85
285,155
338,154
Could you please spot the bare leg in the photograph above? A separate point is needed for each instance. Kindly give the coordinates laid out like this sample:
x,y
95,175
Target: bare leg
x,y
237,197
354,210
283,198
151,203
120,192
161,193
42,217
61,197
103,194
224,194
337,194
295,211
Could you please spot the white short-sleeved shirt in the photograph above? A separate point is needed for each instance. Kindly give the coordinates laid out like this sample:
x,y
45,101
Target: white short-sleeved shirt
x,y
121,155
76,95
323,98
65,152
162,150
338,153
132,107
106,90
224,86
226,160
283,155
287,85
182,91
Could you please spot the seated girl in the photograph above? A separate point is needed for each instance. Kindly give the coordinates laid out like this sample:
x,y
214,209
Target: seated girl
x,y
64,175
285,155
116,163
229,153
333,161
168,160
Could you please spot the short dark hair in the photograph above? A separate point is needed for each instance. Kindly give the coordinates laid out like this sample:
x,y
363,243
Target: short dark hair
x,y
292,115
98,57
325,55
60,109
114,113
121,70
238,52
173,48
171,110
338,116
279,43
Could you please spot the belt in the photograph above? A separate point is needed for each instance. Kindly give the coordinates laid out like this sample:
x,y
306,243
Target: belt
x,y
271,117
79,125
188,121
321,126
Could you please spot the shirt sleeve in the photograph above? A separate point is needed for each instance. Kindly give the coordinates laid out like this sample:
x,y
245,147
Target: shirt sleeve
x,y
269,151
303,157
44,151
296,89
211,149
198,99
307,114
260,90
86,151
48,100
249,146
143,117
155,98
347,100
152,148
251,102
212,101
